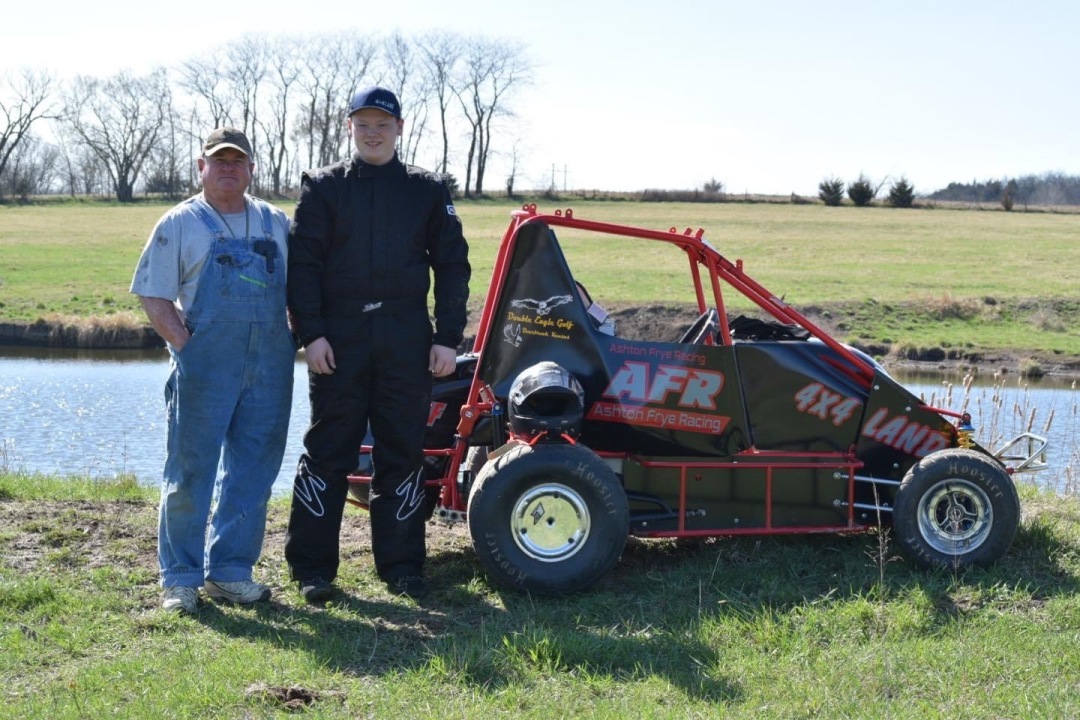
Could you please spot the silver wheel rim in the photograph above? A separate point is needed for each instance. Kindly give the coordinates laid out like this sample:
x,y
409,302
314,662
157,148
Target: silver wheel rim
x,y
955,516
550,523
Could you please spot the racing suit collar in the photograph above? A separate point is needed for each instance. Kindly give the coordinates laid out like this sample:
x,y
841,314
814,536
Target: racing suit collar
x,y
359,168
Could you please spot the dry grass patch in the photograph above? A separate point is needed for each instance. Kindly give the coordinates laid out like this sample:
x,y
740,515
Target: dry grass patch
x,y
1031,368
947,307
95,331
1047,319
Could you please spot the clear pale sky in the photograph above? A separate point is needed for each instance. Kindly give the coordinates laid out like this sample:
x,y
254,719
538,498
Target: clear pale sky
x,y
766,97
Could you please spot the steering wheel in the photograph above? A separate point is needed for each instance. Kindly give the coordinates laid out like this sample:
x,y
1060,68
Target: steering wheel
x,y
706,324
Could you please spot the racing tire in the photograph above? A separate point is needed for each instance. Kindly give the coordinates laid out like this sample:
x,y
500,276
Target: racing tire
x,y
956,508
476,458
548,519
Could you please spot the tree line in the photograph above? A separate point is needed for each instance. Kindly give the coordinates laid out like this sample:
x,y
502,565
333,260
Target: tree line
x,y
1046,190
128,134
1049,188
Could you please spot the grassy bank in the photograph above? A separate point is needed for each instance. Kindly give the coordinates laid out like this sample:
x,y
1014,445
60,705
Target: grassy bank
x,y
781,627
959,281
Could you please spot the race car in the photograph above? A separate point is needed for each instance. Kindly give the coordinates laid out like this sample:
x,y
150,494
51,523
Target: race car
x,y
556,439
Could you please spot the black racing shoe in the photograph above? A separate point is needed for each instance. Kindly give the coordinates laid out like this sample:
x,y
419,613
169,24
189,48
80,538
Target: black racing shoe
x,y
316,590
411,585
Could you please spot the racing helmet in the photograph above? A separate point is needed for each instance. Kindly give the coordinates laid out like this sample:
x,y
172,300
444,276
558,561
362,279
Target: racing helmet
x,y
546,399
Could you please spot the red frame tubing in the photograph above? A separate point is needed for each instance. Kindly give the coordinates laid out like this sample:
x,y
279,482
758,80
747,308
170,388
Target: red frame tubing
x,y
782,461
699,253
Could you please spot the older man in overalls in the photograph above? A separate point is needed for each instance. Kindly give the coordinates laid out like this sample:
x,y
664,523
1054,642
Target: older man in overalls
x,y
212,282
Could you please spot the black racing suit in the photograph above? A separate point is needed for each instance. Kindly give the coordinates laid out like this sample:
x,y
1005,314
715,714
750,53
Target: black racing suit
x,y
364,241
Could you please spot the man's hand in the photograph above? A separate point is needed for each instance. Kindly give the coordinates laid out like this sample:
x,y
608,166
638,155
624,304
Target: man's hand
x,y
166,320
320,357
442,360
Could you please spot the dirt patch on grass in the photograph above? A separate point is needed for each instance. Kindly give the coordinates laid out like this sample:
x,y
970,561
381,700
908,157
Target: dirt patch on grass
x,y
83,533
668,323
94,534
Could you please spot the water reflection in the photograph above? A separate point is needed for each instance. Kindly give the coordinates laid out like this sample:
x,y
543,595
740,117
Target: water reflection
x,y
982,378
1003,407
102,413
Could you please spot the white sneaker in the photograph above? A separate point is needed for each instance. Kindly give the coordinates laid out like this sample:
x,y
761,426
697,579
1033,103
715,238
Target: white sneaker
x,y
181,599
243,592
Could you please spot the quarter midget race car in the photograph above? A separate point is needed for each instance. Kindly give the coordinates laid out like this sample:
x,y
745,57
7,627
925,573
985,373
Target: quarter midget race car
x,y
556,439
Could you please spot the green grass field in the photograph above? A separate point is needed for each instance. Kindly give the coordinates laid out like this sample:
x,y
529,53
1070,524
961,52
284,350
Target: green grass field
x,y
923,277
777,627
811,626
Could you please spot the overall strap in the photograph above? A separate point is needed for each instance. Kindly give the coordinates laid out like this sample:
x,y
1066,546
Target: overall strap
x,y
267,218
202,210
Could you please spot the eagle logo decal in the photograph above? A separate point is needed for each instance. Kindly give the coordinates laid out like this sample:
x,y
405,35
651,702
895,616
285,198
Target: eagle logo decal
x,y
542,307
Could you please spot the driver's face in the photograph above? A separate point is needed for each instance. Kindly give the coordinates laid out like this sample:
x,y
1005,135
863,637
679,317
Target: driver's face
x,y
375,135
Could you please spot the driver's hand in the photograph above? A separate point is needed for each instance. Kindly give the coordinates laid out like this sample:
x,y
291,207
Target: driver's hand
x,y
442,360
320,357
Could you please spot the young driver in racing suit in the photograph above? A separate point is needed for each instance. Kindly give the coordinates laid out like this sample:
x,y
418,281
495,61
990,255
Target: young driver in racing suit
x,y
366,236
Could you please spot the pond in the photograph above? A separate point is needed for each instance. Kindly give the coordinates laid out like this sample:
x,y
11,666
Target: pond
x,y
101,413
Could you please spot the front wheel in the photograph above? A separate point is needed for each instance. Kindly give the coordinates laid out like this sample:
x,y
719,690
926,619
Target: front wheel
x,y
549,519
956,508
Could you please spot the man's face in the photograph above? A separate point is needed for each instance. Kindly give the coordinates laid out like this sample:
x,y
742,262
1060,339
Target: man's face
x,y
226,171
375,134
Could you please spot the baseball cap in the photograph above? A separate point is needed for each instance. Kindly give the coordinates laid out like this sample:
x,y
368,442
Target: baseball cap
x,y
378,98
226,137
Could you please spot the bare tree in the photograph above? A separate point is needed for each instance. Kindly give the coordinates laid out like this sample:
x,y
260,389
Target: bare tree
x,y
120,119
440,53
515,161
283,72
290,95
204,79
493,69
246,69
227,84
195,131
24,100
31,169
334,66
166,169
80,170
408,81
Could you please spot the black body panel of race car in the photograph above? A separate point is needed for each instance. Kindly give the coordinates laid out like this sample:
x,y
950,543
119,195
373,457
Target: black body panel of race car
x,y
754,427
781,420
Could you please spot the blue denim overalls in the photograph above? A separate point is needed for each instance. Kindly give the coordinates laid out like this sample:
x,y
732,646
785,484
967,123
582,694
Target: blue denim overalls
x,y
227,398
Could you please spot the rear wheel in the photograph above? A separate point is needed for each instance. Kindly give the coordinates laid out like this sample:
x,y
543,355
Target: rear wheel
x,y
548,519
956,508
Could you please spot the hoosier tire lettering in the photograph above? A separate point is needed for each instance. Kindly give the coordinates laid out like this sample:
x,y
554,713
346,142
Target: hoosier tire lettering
x,y
956,508
548,519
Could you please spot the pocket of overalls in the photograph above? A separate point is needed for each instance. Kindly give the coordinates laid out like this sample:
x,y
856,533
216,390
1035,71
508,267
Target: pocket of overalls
x,y
190,347
244,276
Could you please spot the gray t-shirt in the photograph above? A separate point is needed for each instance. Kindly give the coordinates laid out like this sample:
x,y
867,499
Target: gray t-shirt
x,y
180,242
